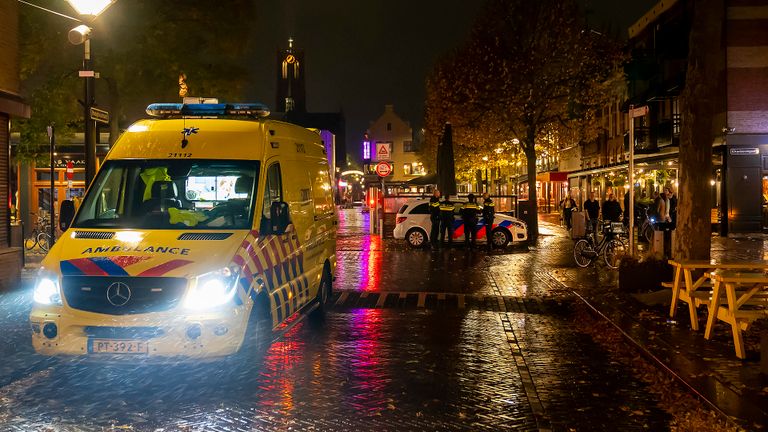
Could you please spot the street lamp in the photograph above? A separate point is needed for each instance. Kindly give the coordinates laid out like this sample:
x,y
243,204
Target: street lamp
x,y
485,159
89,10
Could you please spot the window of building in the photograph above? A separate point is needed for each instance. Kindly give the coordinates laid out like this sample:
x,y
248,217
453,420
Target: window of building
x,y
408,146
407,169
389,126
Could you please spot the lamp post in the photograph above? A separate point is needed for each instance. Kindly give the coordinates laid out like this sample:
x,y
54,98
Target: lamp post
x,y
89,10
485,159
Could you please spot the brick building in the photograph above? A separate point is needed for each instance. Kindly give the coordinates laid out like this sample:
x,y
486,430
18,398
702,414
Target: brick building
x,y
11,105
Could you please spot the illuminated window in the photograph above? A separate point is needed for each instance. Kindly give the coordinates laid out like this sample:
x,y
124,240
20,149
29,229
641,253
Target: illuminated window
x,y
407,169
408,146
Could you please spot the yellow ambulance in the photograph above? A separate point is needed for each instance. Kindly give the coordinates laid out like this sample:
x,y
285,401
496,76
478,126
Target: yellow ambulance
x,y
204,226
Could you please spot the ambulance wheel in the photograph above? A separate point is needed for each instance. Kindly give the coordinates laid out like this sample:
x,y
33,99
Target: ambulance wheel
x,y
500,238
324,292
258,332
416,238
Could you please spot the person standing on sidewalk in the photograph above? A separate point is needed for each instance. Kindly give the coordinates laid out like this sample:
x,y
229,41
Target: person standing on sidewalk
x,y
672,206
592,206
489,212
446,219
434,217
569,204
469,216
611,209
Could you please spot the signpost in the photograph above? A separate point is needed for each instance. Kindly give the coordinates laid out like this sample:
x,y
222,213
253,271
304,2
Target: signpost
x,y
383,169
383,151
633,112
100,116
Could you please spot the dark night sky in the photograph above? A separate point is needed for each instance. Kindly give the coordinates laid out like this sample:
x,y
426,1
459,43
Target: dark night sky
x,y
360,55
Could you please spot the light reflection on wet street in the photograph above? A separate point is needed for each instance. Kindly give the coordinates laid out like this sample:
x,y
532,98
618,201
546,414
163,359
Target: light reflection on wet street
x,y
374,368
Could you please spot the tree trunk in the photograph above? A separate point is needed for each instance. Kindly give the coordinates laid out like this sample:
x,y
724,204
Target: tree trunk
x,y
704,74
533,224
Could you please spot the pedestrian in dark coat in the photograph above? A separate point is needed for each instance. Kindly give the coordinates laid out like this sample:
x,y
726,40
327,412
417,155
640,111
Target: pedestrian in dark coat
x,y
489,212
447,209
434,218
469,215
569,204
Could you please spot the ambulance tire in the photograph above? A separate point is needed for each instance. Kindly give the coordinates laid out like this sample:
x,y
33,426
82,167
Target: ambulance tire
x,y
324,292
258,332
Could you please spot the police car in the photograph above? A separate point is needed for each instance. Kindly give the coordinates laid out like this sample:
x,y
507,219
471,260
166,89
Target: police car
x,y
413,225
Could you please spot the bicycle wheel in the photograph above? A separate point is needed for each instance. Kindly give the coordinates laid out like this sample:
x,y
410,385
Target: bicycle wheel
x,y
44,240
648,233
31,242
613,252
582,253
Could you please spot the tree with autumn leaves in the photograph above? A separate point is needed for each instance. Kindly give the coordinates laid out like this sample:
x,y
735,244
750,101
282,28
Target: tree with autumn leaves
x,y
531,78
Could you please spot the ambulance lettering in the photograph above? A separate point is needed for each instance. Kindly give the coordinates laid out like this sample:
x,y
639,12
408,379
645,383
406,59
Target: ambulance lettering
x,y
143,249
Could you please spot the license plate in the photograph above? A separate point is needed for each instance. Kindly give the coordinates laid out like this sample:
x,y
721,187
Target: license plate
x,y
118,346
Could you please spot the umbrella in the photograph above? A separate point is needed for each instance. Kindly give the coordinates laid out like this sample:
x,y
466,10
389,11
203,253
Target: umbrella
x,y
446,170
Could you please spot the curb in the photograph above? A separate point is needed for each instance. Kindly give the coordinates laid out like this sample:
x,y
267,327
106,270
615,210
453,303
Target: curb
x,y
748,412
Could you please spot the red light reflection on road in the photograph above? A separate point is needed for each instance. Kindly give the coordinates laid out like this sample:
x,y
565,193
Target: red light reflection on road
x,y
370,267
359,256
369,374
278,375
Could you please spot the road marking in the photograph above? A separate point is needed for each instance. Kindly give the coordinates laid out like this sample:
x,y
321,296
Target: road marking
x,y
422,300
382,299
342,298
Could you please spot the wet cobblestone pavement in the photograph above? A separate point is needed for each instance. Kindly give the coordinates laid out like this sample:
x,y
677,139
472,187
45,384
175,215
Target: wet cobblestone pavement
x,y
415,340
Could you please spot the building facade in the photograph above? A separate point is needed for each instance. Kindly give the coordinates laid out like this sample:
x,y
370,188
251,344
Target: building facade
x,y
390,138
11,105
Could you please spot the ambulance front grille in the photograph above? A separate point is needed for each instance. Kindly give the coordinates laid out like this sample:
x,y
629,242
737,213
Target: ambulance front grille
x,y
95,235
122,295
204,236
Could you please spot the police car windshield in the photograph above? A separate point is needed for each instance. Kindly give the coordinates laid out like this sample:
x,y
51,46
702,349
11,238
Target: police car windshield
x,y
171,194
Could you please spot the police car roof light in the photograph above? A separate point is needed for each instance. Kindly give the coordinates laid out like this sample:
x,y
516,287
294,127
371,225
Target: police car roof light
x,y
169,110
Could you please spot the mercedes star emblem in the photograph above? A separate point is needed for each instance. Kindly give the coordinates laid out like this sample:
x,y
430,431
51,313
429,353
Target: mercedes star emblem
x,y
118,294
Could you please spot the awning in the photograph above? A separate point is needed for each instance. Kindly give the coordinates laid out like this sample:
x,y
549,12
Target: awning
x,y
552,176
429,179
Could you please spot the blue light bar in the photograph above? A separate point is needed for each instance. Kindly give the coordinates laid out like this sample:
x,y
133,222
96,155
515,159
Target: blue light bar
x,y
171,110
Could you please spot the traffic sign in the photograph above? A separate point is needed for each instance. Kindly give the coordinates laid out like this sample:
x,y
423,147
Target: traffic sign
x,y
99,115
383,151
70,172
639,111
383,169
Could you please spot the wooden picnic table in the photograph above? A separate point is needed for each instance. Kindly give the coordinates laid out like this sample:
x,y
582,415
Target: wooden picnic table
x,y
685,288
740,288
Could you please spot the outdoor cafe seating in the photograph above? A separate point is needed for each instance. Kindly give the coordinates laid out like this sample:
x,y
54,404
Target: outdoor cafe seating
x,y
735,293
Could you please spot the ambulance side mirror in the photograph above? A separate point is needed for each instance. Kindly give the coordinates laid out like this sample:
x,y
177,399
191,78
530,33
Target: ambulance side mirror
x,y
280,217
66,214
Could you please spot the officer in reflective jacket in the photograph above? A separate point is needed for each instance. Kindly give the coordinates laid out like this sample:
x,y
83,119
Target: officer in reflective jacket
x,y
446,219
434,217
469,216
489,212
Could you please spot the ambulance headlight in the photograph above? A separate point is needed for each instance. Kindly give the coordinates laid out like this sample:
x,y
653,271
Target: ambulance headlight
x,y
213,289
47,291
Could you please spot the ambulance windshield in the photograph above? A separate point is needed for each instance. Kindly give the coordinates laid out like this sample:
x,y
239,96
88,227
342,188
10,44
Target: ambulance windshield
x,y
171,194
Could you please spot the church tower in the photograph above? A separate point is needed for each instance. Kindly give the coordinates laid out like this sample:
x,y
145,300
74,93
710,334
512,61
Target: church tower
x,y
291,92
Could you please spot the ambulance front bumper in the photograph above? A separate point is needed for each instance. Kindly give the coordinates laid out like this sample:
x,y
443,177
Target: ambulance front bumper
x,y
62,331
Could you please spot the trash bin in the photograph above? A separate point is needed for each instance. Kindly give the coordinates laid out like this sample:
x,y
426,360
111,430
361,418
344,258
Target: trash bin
x,y
578,225
525,212
662,239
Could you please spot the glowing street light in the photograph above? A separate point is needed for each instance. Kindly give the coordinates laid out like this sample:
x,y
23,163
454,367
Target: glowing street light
x,y
89,10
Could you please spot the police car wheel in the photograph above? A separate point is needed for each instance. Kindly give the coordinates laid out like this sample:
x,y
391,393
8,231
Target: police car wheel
x,y
501,238
416,238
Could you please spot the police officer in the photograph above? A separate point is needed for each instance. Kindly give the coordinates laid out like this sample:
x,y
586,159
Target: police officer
x,y
469,216
434,217
446,219
489,212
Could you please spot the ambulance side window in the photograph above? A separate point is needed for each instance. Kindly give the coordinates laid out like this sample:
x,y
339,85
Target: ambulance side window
x,y
273,191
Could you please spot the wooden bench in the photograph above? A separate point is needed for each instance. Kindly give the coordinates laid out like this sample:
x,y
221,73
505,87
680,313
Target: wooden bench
x,y
741,289
685,288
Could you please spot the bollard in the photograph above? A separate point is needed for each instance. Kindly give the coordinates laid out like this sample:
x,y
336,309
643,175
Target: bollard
x,y
764,353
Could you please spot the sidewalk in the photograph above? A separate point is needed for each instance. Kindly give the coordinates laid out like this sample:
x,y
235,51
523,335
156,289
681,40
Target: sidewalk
x,y
709,369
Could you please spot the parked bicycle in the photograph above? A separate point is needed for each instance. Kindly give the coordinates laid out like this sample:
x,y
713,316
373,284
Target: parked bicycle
x,y
40,235
610,246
